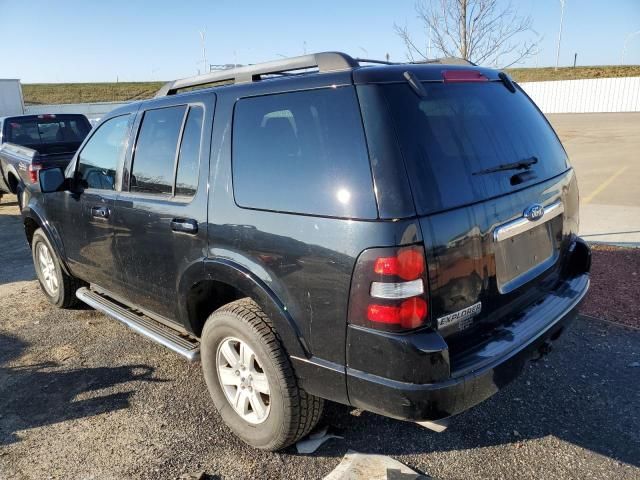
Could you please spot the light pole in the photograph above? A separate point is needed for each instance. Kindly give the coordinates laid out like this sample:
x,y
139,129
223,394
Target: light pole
x,y
560,32
626,41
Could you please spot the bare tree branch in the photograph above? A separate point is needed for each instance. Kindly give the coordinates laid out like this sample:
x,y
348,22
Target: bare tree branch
x,y
481,31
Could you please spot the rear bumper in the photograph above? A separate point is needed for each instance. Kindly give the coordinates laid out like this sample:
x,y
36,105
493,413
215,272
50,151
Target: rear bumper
x,y
475,378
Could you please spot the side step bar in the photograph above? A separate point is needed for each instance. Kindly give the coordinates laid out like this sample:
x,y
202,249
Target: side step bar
x,y
165,336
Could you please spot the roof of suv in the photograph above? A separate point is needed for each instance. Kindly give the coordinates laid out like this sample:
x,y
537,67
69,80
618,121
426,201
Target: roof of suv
x,y
315,69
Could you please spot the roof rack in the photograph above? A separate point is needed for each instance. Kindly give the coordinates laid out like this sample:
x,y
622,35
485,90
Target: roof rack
x,y
324,62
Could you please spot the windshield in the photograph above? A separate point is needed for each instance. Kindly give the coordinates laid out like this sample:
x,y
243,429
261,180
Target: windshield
x,y
34,131
467,142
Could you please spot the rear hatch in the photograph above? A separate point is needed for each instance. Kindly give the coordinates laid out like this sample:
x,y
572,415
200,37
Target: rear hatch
x,y
481,161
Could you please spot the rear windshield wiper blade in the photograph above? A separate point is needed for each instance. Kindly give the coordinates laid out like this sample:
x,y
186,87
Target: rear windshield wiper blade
x,y
519,165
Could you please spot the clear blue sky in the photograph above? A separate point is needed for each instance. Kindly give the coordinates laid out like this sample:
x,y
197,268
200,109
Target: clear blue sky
x,y
93,41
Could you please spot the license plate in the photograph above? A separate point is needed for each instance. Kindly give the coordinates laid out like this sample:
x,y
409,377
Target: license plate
x,y
524,256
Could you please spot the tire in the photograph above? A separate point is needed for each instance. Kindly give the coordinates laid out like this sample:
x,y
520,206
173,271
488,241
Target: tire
x,y
291,412
19,195
51,274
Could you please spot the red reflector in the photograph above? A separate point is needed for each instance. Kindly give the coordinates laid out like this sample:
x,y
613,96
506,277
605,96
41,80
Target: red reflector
x,y
410,314
408,264
463,76
33,170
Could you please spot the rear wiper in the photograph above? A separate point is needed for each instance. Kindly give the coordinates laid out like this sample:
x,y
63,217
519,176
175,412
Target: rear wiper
x,y
520,165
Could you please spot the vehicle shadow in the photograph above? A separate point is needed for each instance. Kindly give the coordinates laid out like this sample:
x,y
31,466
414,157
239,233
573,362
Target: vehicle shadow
x,y
39,394
574,395
15,256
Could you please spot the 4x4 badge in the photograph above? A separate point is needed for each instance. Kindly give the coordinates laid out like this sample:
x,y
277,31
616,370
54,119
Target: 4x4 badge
x,y
462,317
534,212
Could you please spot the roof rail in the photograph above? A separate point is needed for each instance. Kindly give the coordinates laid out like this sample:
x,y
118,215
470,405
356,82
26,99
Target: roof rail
x,y
325,62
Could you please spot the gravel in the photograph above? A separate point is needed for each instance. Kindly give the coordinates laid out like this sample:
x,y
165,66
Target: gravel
x,y
81,396
615,285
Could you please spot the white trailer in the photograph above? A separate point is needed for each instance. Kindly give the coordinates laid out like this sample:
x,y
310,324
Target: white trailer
x,y
11,101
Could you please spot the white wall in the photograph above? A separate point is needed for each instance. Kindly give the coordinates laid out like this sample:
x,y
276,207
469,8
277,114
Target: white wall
x,y
93,111
586,96
10,97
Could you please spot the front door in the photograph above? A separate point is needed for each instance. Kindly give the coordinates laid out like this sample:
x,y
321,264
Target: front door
x,y
84,218
160,230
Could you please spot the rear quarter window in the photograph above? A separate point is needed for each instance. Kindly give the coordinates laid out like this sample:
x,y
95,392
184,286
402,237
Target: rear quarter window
x,y
302,152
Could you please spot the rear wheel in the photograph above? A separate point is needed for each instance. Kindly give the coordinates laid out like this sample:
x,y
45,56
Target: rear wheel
x,y
58,286
251,380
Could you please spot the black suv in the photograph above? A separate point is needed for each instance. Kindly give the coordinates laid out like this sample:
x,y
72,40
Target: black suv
x,y
399,238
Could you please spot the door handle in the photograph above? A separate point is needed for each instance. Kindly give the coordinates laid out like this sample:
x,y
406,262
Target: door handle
x,y
184,225
100,212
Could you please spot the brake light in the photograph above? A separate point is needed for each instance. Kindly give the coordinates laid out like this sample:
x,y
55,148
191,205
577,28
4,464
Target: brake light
x,y
388,289
32,171
46,116
409,314
463,76
408,264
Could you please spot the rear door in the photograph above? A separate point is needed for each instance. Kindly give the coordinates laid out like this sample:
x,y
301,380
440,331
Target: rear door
x,y
480,158
162,210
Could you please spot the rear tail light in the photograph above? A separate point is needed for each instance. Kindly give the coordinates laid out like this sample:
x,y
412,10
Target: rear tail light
x,y
33,170
388,290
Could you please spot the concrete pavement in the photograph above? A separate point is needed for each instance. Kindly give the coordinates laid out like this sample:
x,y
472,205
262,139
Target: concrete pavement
x,y
604,148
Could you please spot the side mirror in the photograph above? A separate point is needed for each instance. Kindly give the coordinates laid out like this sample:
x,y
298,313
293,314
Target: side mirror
x,y
52,180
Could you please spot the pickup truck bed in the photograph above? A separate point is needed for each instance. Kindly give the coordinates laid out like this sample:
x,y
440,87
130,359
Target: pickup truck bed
x,y
29,143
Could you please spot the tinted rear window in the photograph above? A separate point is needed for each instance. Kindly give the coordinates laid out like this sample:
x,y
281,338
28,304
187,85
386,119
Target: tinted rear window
x,y
40,131
302,152
461,129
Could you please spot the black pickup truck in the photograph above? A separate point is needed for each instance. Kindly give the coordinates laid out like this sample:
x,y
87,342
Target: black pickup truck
x,y
30,143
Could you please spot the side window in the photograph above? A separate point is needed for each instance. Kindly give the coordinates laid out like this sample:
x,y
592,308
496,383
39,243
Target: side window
x,y
302,152
155,153
189,156
99,159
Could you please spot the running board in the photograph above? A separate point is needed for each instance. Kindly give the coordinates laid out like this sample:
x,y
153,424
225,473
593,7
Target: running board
x,y
165,336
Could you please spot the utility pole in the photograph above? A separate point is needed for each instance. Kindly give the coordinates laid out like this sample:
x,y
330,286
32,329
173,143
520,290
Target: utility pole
x,y
626,41
204,50
560,32
575,59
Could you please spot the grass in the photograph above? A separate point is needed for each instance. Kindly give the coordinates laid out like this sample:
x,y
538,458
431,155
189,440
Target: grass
x,y
569,73
54,93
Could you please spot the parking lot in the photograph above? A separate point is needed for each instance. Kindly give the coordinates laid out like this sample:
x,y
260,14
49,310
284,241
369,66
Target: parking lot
x,y
604,148
81,396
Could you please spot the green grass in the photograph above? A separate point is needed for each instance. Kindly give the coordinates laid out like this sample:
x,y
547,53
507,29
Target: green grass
x,y
569,73
53,93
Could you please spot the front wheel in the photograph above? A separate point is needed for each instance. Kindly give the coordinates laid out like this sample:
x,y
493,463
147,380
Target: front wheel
x,y
251,380
58,286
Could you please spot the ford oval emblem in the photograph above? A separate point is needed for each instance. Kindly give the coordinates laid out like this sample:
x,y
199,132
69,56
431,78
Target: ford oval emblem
x,y
534,212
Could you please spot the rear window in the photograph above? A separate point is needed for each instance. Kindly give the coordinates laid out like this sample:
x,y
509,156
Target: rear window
x,y
35,131
461,129
302,152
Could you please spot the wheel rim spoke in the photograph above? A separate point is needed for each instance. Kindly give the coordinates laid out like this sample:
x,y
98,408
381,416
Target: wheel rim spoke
x,y
47,270
229,353
257,406
246,355
260,383
228,376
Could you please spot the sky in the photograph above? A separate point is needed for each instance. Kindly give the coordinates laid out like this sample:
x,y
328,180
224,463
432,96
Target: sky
x,y
120,40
